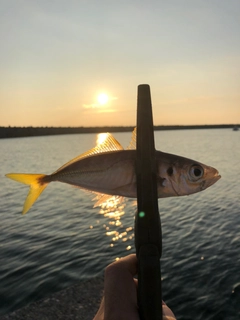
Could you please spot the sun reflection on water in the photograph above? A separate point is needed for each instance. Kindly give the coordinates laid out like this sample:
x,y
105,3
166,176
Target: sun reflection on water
x,y
114,209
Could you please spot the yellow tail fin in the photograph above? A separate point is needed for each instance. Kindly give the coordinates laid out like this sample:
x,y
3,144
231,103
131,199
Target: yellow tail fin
x,y
36,187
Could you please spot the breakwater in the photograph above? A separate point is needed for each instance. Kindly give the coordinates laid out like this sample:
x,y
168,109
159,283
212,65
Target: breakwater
x,y
17,132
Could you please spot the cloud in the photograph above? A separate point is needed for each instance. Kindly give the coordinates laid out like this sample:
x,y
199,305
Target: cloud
x,y
99,105
97,110
92,106
106,110
191,100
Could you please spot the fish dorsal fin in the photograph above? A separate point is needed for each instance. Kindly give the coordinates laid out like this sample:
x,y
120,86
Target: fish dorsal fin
x,y
105,143
133,142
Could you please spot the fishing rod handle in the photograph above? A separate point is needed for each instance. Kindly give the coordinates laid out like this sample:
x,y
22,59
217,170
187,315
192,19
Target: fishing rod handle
x,y
149,283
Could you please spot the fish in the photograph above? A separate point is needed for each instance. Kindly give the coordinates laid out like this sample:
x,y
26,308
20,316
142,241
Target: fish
x,y
108,169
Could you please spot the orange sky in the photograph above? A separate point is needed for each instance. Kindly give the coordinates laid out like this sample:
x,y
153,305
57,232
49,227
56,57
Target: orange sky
x,y
55,60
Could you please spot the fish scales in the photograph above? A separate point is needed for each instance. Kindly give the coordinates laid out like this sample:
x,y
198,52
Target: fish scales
x,y
104,173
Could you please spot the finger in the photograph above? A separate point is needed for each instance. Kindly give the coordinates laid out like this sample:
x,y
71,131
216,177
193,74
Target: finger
x,y
167,313
128,263
100,313
120,290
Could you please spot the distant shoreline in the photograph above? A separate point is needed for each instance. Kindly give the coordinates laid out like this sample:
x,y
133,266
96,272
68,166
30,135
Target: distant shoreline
x,y
18,132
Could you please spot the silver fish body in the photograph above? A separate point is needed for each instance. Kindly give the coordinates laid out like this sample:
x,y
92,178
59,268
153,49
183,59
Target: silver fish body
x,y
113,173
108,169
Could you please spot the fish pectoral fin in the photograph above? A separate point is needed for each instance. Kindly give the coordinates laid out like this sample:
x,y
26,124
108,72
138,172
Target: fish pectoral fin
x,y
35,183
128,190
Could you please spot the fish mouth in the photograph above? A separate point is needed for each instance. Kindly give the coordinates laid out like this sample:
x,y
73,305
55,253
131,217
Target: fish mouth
x,y
209,182
216,176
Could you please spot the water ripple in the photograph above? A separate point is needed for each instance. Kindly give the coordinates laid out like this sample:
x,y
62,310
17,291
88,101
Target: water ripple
x,y
63,240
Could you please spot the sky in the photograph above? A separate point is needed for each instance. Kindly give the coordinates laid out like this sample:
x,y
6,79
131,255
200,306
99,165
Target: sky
x,y
58,56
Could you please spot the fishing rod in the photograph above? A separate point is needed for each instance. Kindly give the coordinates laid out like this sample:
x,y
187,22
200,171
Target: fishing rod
x,y
148,235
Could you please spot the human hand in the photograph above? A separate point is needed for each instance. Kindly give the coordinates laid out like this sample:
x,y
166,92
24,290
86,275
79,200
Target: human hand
x,y
120,292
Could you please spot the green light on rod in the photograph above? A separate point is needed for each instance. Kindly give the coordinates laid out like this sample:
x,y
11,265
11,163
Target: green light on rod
x,y
141,214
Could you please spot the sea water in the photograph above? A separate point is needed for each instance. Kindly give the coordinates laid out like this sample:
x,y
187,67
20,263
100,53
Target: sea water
x,y
63,240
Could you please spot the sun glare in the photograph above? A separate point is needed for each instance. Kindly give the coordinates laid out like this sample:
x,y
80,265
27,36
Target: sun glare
x,y
102,98
101,137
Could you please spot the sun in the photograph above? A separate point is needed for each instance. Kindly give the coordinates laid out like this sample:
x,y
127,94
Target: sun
x,y
102,98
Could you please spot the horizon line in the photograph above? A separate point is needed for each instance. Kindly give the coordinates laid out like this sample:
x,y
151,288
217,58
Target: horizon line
x,y
123,126
21,132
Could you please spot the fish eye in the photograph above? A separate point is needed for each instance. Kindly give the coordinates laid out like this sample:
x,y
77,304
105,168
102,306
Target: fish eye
x,y
196,171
